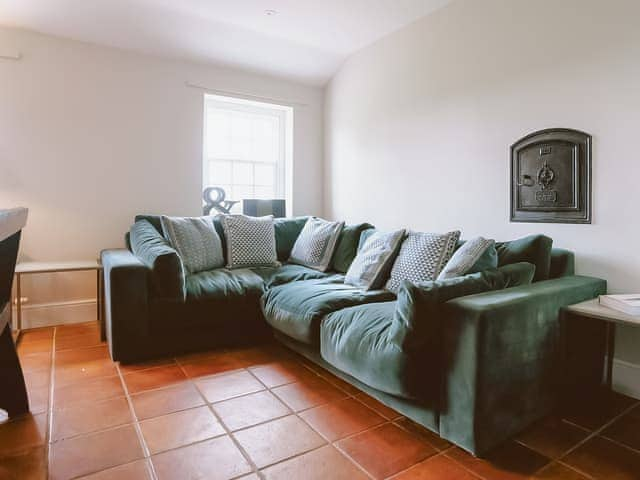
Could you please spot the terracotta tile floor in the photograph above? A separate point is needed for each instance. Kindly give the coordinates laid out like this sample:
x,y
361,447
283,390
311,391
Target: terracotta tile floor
x,y
265,413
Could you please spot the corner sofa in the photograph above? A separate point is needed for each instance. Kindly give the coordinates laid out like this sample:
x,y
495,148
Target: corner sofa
x,y
475,361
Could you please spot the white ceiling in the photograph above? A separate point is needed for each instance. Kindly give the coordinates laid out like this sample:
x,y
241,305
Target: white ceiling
x,y
307,40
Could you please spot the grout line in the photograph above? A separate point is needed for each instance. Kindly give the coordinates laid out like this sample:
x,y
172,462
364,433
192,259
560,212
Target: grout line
x,y
52,380
250,462
136,426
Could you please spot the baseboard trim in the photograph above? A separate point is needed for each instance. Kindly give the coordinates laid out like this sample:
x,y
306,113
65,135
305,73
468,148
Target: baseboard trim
x,y
626,378
58,313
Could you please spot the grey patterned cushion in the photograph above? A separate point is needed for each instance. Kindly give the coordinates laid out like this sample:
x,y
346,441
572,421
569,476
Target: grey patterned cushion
x,y
422,256
315,245
465,258
251,241
374,259
196,241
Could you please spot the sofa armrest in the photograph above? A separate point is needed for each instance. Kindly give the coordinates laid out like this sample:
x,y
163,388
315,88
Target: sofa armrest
x,y
126,290
167,273
503,359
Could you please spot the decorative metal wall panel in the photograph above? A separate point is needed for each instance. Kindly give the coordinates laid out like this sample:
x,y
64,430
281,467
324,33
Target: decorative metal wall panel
x,y
551,177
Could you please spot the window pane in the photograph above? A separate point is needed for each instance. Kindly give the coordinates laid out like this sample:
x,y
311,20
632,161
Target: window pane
x,y
242,173
265,175
241,192
219,172
265,193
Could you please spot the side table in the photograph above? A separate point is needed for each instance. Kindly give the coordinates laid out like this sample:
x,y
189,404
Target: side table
x,y
611,318
30,268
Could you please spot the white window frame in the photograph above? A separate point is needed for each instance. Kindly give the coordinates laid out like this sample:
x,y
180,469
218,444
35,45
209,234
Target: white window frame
x,y
283,167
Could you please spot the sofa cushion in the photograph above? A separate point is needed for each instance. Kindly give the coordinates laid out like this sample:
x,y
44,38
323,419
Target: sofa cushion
x,y
534,249
167,272
157,224
316,243
225,285
296,309
286,273
196,241
465,258
347,246
394,346
287,231
421,258
251,241
371,266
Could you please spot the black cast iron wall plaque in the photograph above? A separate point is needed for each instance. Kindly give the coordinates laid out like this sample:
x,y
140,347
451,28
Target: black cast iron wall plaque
x,y
551,177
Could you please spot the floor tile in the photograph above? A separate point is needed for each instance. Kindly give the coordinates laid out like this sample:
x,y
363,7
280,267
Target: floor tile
x,y
437,467
94,452
229,385
87,392
552,437
321,464
34,346
385,450
249,410
35,361
510,461
28,465
557,471
153,378
604,459
38,399
90,417
339,419
212,365
278,440
136,367
282,372
626,430
80,355
37,378
22,434
74,329
154,403
341,384
45,333
216,459
78,341
308,393
69,373
424,433
381,408
138,470
180,428
260,355
592,412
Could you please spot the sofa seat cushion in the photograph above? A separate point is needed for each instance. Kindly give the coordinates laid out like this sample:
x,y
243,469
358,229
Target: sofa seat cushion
x,y
357,341
224,284
296,309
287,273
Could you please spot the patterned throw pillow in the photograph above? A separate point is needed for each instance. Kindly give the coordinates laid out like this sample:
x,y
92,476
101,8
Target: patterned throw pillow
x,y
465,258
196,241
251,241
315,245
374,260
422,256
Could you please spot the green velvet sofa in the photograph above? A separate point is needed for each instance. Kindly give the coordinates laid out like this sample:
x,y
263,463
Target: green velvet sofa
x,y
475,359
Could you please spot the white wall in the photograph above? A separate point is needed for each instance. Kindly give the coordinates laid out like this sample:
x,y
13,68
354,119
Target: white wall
x,y
90,136
418,127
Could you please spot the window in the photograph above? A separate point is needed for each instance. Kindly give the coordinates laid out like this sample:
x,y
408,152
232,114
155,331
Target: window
x,y
247,149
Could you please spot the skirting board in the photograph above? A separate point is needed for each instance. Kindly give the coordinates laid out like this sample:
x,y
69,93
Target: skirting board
x,y
626,378
58,313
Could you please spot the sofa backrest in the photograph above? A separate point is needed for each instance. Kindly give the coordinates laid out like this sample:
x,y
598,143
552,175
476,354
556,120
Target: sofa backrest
x,y
562,263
